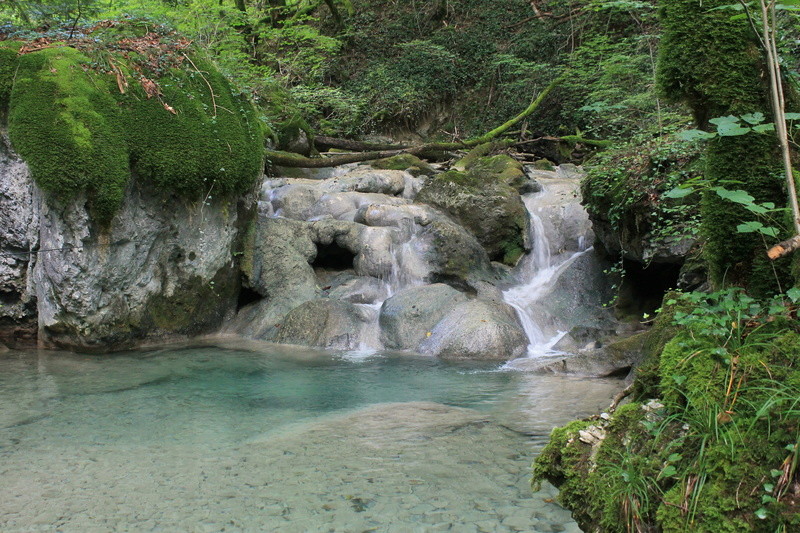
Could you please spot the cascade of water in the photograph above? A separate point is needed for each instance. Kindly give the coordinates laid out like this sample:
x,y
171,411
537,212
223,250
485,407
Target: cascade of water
x,y
406,268
537,273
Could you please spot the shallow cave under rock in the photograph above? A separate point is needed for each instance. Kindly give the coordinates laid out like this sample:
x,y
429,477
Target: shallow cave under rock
x,y
643,286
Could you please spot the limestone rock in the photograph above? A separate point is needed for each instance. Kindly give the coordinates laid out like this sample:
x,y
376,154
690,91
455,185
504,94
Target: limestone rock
x,y
407,317
477,329
18,237
492,211
324,322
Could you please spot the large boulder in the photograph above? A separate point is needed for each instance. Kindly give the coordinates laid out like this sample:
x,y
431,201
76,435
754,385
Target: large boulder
x,y
477,329
408,317
155,273
490,209
324,322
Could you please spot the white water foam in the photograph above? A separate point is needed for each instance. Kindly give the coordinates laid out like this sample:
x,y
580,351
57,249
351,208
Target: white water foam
x,y
537,273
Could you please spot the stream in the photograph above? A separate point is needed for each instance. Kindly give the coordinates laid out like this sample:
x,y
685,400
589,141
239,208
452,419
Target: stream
x,y
244,435
249,436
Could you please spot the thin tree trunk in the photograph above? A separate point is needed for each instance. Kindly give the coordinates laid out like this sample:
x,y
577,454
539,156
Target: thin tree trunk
x,y
769,29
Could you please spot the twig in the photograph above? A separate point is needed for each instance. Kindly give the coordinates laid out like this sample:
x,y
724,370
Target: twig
x,y
210,89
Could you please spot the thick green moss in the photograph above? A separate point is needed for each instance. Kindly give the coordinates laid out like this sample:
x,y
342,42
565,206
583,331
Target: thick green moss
x,y
213,145
78,133
714,64
404,162
708,460
8,68
65,123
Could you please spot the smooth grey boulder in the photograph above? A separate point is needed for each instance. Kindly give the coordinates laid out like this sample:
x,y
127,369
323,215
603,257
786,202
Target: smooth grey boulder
x,y
477,329
407,317
324,322
18,238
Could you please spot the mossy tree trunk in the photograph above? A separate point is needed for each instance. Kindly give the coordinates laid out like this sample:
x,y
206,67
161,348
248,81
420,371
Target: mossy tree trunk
x,y
714,64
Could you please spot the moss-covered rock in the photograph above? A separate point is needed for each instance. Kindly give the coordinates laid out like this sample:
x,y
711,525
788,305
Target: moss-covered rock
x,y
86,118
485,200
411,163
713,456
712,62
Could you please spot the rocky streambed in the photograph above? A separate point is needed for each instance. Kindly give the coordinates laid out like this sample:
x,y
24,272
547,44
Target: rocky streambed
x,y
395,255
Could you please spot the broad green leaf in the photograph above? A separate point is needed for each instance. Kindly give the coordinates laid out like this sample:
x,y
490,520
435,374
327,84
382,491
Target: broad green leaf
x,y
794,296
677,457
731,130
754,118
739,196
730,119
678,192
758,209
792,116
749,227
761,514
764,128
769,231
775,473
695,135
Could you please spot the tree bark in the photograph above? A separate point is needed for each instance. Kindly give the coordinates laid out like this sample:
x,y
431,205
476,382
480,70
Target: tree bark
x,y
782,249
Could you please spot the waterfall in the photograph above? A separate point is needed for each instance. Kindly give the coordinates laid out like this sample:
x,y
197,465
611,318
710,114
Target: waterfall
x,y
558,233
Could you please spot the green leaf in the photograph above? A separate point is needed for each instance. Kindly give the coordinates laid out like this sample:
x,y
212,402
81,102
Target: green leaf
x,y
754,118
792,116
764,128
668,471
775,473
769,487
769,231
794,296
678,192
749,227
678,379
677,457
761,514
695,135
739,196
731,130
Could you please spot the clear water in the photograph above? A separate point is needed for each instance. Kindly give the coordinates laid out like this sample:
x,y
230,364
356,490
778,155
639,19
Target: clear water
x,y
259,437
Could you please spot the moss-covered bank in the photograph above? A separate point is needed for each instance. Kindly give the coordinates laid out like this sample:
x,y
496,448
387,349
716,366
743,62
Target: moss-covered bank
x,y
709,442
88,114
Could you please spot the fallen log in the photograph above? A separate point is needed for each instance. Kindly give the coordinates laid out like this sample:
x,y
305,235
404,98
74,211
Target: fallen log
x,y
289,159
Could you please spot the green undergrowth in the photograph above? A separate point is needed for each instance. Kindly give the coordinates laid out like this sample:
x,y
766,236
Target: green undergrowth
x,y
88,114
625,188
711,443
